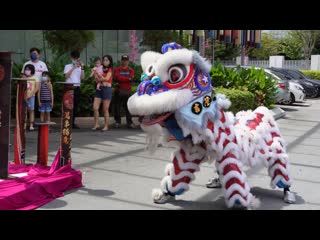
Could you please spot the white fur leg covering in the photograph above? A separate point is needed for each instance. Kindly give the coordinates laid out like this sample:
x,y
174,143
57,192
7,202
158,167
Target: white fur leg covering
x,y
278,165
154,136
235,187
180,172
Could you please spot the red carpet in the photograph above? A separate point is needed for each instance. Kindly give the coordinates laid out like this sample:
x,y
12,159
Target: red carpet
x,y
40,186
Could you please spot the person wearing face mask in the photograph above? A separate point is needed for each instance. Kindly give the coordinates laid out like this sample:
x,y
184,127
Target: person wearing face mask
x,y
74,73
45,97
39,65
33,81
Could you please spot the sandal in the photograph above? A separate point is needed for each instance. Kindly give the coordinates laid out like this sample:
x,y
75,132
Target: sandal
x,y
104,129
95,128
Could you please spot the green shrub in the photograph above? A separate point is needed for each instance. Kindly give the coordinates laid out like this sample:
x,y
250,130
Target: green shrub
x,y
137,72
312,74
134,88
240,99
253,80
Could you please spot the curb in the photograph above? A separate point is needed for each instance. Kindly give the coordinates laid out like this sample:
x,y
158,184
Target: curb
x,y
278,113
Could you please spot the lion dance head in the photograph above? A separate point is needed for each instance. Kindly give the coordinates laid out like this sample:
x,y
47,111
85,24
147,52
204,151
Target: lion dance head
x,y
170,81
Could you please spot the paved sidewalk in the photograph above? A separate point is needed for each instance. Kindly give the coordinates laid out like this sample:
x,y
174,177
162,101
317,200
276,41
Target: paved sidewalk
x,y
119,174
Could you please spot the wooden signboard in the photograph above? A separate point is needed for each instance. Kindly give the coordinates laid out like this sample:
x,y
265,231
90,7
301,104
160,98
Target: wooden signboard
x,y
66,123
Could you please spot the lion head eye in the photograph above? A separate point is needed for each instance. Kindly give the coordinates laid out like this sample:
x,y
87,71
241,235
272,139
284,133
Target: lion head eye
x,y
150,70
177,73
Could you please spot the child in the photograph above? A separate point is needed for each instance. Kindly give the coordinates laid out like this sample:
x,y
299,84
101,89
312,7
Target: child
x,y
32,88
97,71
45,97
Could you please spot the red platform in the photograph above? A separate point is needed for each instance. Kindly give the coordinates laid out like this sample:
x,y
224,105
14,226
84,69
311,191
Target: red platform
x,y
37,184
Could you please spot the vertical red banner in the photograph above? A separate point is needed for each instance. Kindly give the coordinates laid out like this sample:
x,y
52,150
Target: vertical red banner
x,y
66,123
43,144
20,130
5,81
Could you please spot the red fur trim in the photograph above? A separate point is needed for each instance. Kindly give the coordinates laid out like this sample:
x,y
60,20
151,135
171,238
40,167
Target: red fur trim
x,y
230,167
274,134
228,155
185,179
278,161
236,192
210,125
278,172
223,118
234,181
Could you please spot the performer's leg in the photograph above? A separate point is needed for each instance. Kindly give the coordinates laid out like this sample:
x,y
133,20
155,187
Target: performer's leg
x,y
180,172
233,180
278,166
273,153
214,182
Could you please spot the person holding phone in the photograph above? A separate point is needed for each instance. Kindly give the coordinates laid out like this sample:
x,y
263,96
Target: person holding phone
x,y
74,73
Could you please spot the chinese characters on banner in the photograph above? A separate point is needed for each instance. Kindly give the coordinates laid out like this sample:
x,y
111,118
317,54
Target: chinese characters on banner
x,y
66,126
5,78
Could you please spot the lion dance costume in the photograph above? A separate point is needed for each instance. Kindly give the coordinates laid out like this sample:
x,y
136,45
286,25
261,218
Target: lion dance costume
x,y
177,105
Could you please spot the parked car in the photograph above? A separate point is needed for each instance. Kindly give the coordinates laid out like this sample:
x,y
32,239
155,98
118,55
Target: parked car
x,y
297,93
296,74
283,95
310,88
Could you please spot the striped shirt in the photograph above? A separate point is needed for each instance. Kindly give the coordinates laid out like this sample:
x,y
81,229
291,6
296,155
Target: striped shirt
x,y
45,93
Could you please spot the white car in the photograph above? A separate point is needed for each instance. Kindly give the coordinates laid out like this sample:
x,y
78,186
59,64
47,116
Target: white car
x,y
297,93
283,94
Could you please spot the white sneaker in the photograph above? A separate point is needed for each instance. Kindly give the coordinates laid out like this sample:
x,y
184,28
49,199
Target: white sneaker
x,y
214,183
160,197
289,197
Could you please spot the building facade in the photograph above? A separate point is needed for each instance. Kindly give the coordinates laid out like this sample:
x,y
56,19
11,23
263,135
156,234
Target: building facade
x,y
277,33
112,42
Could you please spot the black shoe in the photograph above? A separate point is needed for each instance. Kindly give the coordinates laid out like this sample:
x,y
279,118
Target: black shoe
x,y
75,126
